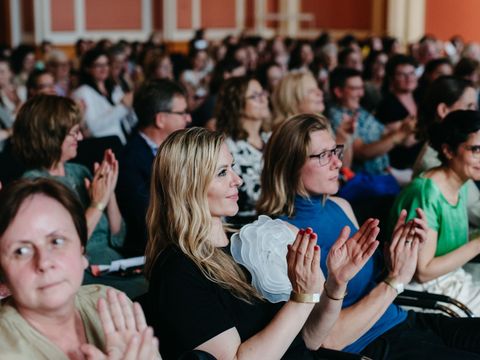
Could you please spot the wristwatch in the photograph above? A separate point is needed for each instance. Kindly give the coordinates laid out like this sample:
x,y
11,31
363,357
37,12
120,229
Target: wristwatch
x,y
394,284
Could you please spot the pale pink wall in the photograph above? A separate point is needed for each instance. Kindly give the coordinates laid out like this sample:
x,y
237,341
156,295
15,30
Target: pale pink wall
x,y
62,15
113,15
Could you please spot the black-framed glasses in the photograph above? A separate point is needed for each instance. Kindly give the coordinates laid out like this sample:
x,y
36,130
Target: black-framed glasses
x,y
475,149
325,157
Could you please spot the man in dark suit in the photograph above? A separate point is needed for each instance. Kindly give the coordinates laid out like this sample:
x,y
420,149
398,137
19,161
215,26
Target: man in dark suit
x,y
161,108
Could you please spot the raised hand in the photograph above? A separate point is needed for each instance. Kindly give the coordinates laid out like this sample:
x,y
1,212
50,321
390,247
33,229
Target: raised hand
x,y
420,226
348,255
99,188
109,158
402,253
127,336
303,260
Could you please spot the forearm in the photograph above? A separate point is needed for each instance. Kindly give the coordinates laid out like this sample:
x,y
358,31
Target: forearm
x,y
357,319
441,265
273,341
114,215
387,142
92,214
324,315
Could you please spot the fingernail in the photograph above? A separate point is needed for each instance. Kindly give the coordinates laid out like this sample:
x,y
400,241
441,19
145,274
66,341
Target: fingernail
x,y
301,232
316,247
313,236
308,231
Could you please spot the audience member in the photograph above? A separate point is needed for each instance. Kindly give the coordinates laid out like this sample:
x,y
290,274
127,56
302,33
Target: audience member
x,y
441,193
299,188
242,113
45,137
161,108
106,106
200,298
43,234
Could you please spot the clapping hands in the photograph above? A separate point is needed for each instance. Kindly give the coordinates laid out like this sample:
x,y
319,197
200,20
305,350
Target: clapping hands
x,y
104,181
303,260
127,336
347,256
401,254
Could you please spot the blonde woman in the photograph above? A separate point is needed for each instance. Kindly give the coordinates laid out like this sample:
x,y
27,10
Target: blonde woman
x,y
200,298
298,92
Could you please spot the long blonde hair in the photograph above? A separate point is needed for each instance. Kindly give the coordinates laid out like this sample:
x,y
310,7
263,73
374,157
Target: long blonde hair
x,y
288,95
285,154
179,214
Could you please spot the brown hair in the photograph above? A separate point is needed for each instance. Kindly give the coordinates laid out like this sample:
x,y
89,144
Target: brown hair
x,y
17,192
284,156
230,107
41,126
179,214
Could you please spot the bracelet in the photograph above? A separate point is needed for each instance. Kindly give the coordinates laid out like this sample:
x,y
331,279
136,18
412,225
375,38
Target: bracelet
x,y
305,298
97,205
331,297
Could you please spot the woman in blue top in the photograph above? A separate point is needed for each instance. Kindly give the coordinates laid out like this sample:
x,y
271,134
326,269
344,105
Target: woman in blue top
x,y
297,186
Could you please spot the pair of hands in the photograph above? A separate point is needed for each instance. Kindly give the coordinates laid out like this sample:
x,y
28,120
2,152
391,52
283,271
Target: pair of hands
x,y
102,187
401,254
127,335
345,258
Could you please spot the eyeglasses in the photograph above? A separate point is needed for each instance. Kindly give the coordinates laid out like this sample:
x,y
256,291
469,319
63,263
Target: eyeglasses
x,y
325,157
180,113
475,149
75,133
257,96
405,74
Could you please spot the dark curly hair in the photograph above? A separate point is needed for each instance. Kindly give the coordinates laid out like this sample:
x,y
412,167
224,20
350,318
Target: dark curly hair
x,y
453,131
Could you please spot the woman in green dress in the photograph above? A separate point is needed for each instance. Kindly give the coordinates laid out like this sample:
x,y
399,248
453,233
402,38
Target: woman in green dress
x,y
442,194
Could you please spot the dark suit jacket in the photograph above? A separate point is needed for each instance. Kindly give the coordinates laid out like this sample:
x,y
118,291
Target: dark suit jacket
x,y
133,192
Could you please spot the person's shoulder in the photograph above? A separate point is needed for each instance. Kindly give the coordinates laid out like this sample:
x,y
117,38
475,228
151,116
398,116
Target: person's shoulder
x,y
77,169
346,208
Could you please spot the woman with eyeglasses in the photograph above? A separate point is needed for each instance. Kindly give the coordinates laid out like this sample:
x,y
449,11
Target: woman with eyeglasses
x,y
45,138
107,110
442,193
242,113
299,188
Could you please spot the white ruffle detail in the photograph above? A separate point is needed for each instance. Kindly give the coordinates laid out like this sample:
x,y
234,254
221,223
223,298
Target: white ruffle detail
x,y
262,248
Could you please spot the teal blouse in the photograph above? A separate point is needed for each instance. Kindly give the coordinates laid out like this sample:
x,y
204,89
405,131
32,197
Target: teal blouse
x,y
102,246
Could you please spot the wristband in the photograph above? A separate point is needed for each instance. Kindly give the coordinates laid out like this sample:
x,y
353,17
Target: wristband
x,y
305,298
331,297
97,205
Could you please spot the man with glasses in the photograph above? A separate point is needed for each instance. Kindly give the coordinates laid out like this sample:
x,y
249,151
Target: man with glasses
x,y
371,140
161,108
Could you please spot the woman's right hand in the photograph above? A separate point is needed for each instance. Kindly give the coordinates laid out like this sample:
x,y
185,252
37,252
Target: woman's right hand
x,y
100,187
303,260
402,252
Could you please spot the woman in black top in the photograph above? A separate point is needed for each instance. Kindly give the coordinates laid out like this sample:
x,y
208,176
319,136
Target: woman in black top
x,y
199,297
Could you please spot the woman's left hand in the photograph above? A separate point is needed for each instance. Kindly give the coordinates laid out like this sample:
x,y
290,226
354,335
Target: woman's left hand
x,y
127,336
109,158
348,255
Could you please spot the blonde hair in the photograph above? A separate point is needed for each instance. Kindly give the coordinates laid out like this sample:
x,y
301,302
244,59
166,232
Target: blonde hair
x,y
285,154
288,95
179,214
